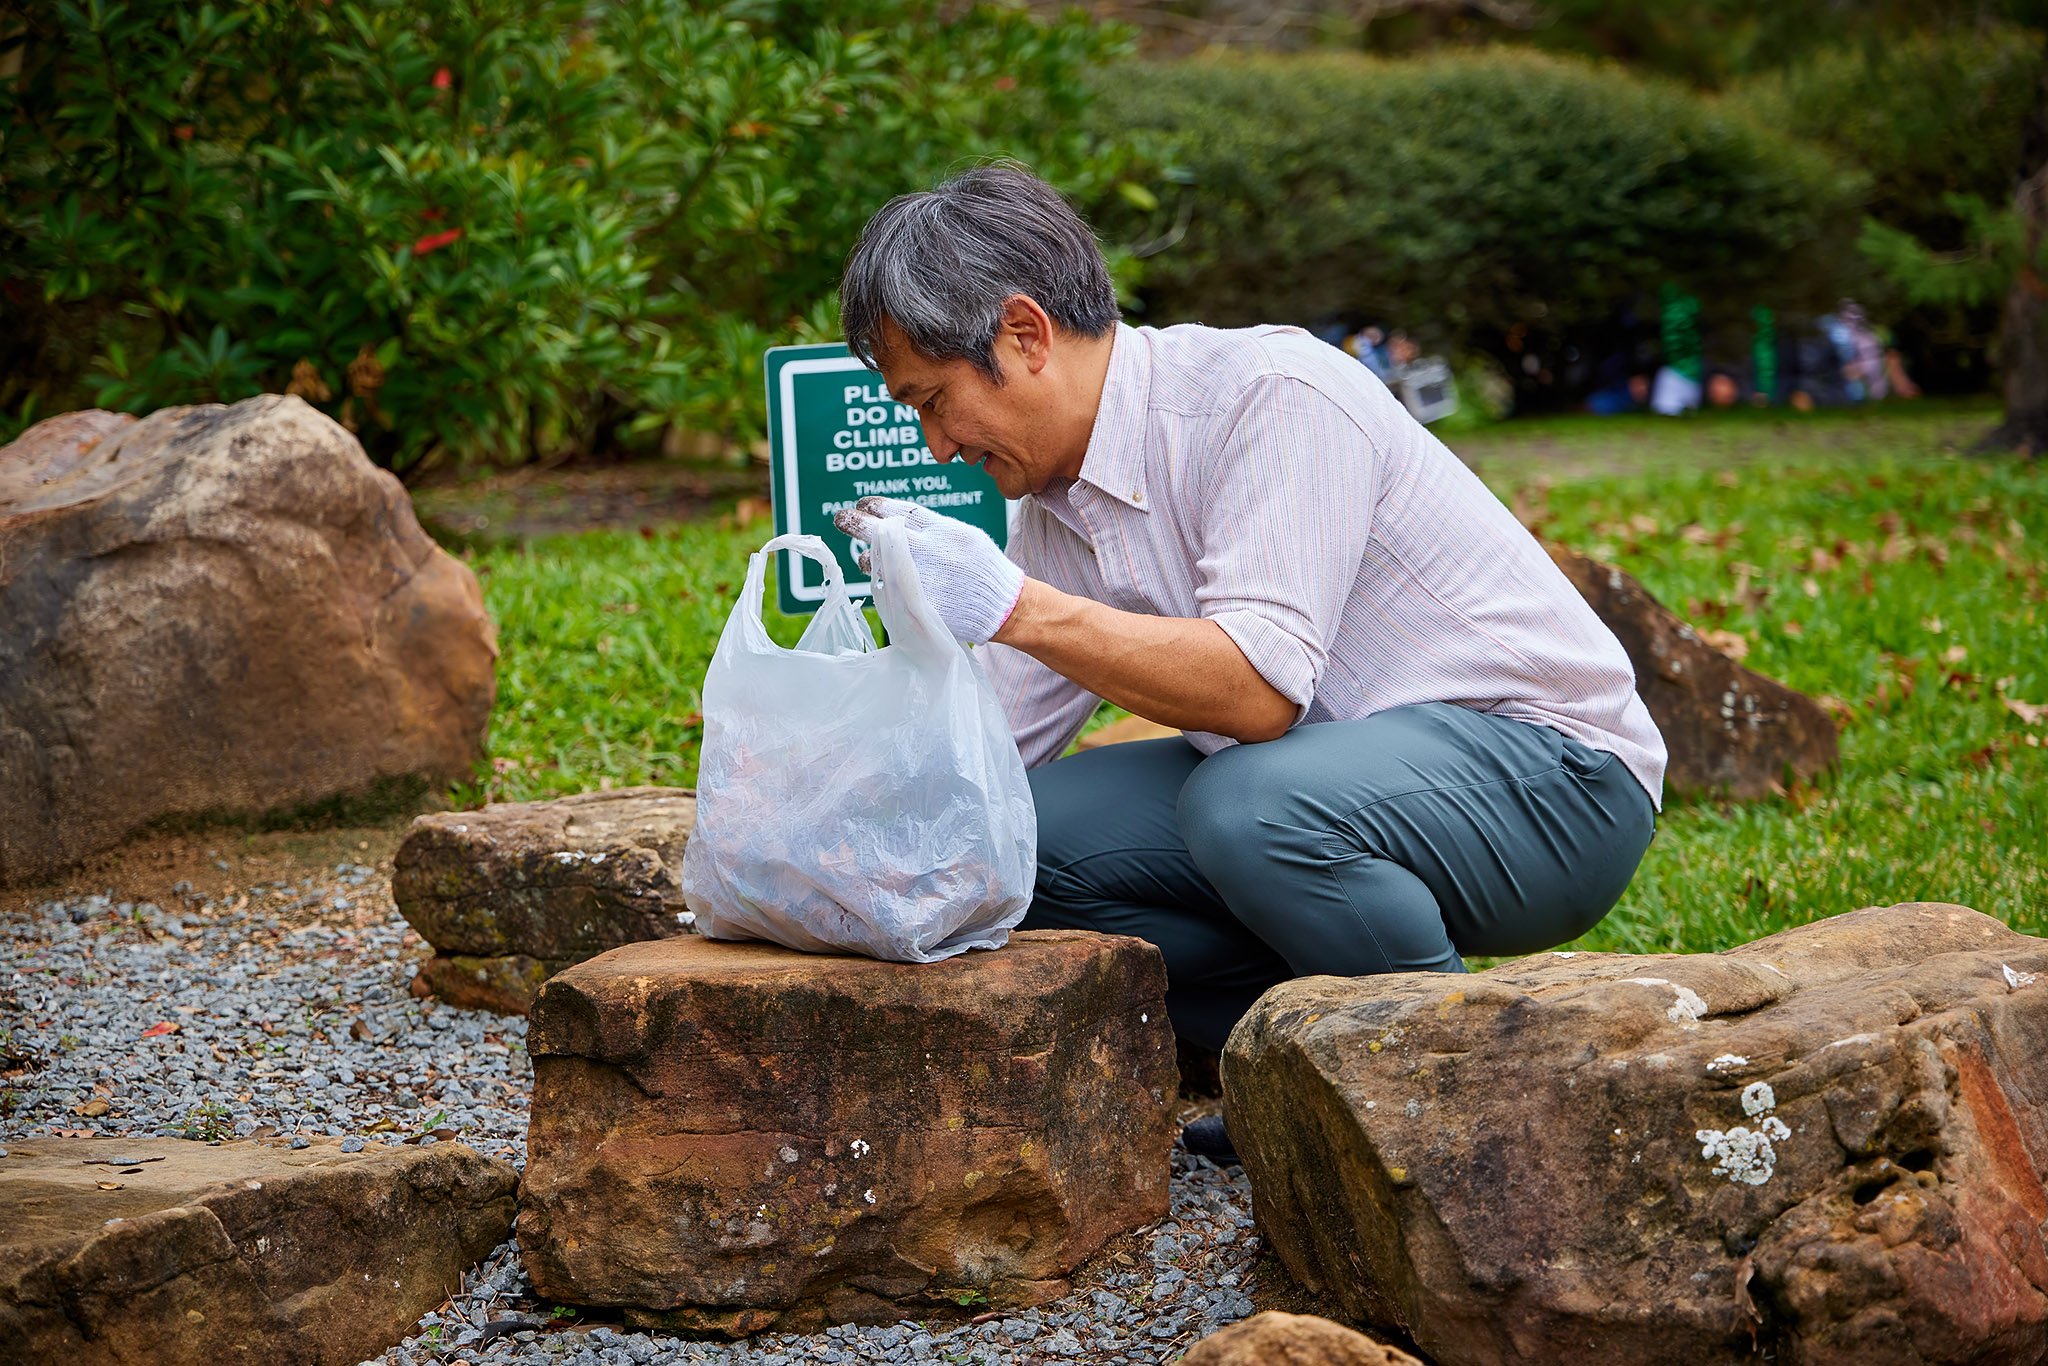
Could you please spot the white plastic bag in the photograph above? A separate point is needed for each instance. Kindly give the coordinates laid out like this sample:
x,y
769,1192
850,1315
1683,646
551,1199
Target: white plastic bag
x,y
854,798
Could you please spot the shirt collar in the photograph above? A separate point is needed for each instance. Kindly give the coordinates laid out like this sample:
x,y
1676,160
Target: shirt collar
x,y
1115,460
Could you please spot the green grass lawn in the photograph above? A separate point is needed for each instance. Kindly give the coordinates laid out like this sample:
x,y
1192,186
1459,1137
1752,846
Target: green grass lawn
x,y
1857,556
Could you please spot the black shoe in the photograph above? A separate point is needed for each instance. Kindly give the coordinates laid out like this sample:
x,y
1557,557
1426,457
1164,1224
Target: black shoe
x,y
1206,1137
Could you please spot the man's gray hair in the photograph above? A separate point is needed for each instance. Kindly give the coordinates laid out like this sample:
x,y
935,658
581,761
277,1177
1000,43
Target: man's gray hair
x,y
940,264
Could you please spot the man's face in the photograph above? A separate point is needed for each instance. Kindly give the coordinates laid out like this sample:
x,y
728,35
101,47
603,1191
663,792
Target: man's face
x,y
966,416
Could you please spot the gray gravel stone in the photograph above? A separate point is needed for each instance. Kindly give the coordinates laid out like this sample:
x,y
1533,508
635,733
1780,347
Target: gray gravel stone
x,y
293,1016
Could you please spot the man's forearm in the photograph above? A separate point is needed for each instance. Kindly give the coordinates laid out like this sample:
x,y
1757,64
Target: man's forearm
x,y
1184,672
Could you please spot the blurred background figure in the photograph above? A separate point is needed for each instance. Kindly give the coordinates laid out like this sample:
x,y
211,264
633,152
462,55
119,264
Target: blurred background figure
x,y
1859,351
1369,344
1677,386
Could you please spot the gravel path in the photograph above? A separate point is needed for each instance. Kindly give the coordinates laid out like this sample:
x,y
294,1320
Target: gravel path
x,y
284,1009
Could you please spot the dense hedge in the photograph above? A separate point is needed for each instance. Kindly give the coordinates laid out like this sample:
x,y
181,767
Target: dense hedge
x,y
483,229
1462,194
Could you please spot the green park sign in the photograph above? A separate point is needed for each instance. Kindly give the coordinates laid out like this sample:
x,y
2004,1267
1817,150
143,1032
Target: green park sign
x,y
834,436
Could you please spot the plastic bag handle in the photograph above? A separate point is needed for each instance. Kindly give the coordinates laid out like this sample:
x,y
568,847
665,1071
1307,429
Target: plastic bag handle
x,y
811,548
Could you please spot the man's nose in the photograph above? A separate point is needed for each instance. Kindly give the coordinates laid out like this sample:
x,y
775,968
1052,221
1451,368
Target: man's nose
x,y
942,446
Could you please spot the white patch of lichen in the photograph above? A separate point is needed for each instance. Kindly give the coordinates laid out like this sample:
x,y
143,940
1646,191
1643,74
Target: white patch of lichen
x,y
1686,1009
1742,1154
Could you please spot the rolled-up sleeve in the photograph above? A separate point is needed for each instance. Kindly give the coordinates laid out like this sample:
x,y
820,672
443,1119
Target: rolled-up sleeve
x,y
1287,511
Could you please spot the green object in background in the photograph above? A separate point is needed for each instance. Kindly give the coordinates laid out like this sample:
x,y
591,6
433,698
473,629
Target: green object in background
x,y
1679,329
1763,354
835,435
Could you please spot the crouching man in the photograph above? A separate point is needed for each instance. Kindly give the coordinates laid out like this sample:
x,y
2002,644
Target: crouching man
x,y
1408,738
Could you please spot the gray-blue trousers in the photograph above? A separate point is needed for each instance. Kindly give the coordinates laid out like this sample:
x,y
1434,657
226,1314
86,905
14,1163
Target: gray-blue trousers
x,y
1395,843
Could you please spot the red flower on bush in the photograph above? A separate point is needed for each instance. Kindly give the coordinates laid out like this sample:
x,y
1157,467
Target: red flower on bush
x,y
434,241
443,79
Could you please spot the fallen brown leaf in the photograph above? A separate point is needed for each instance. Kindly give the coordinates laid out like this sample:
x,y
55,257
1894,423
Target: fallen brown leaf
x,y
1745,1305
2033,713
1729,643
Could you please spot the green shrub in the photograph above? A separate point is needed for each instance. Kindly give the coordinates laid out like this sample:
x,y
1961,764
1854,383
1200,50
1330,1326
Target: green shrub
x,y
492,230
1924,117
1462,195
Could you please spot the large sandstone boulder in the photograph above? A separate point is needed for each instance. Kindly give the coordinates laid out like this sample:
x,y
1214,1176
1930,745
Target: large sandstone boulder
x,y
1827,1146
1729,730
217,609
1277,1339
734,1137
193,1254
514,893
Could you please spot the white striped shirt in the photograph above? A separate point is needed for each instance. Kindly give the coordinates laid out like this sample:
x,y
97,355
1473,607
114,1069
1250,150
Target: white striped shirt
x,y
1270,483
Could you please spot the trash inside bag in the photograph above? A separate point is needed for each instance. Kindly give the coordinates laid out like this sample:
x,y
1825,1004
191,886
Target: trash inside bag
x,y
854,798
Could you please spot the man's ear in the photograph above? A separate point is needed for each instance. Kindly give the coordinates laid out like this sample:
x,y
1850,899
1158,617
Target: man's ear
x,y
1027,327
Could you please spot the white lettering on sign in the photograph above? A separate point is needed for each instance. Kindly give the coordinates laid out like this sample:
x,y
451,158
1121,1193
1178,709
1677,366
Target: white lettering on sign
x,y
838,462
864,393
951,498
877,436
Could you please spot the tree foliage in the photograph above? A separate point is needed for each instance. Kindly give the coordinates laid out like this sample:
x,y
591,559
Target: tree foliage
x,y
483,229
1467,193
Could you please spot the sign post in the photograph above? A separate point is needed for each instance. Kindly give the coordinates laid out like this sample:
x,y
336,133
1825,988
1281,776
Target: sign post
x,y
836,436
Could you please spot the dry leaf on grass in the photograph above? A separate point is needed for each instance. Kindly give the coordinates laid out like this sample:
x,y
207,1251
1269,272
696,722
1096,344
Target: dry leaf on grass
x,y
2033,713
1729,643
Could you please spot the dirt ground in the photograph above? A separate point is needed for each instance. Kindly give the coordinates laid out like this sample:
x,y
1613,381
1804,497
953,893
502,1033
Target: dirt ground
x,y
526,504
215,864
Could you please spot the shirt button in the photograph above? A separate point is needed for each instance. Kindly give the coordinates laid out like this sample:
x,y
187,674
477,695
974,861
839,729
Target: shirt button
x,y
1137,495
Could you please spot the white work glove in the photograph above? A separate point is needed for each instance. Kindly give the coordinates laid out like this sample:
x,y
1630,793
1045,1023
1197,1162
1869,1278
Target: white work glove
x,y
964,574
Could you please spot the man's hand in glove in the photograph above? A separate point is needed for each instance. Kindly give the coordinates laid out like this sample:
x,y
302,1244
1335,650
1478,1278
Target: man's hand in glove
x,y
964,574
